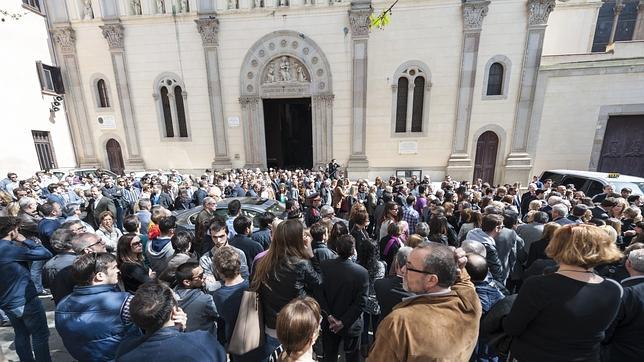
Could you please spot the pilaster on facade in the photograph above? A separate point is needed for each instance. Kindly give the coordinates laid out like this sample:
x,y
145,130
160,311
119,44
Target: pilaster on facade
x,y
65,38
208,28
113,32
460,165
638,33
519,161
359,25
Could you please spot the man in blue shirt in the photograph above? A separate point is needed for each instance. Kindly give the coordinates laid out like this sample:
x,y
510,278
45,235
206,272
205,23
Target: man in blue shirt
x,y
18,296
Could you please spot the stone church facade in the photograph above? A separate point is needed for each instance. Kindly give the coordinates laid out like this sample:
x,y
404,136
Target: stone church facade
x,y
498,89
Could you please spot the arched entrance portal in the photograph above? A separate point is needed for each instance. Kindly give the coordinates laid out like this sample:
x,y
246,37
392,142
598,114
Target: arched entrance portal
x,y
485,162
115,156
287,102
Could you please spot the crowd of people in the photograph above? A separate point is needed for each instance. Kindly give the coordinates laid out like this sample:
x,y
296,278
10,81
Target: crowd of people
x,y
391,270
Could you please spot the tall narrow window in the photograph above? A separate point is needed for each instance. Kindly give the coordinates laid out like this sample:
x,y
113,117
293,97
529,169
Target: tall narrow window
x,y
44,150
167,113
495,80
103,98
181,113
417,110
401,105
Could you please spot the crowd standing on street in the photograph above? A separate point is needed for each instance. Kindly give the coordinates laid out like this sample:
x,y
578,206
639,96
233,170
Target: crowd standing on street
x,y
385,270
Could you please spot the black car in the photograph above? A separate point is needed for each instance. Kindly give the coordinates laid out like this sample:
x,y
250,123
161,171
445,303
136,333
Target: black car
x,y
251,207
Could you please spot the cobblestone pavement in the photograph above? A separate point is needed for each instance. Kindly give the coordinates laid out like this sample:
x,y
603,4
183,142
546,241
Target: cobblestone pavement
x,y
58,351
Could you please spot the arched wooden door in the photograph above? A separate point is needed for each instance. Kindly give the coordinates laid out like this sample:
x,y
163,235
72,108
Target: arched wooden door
x,y
115,156
485,162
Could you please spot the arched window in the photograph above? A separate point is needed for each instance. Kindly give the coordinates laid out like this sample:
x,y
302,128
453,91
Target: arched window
x,y
181,114
417,110
167,112
401,105
103,97
411,92
495,80
172,109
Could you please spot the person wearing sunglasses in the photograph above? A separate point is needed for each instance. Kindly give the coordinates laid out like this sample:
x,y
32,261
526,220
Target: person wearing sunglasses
x,y
441,320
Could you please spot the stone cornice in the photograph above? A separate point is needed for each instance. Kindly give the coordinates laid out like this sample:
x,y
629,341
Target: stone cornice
x,y
209,29
473,14
359,19
113,33
65,38
539,11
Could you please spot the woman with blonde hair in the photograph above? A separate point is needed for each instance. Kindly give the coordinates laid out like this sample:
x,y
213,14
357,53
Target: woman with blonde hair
x,y
298,326
549,319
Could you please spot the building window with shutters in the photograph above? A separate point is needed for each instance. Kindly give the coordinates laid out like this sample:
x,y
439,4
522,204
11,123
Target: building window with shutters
x,y
44,150
51,80
171,99
410,100
33,5
496,78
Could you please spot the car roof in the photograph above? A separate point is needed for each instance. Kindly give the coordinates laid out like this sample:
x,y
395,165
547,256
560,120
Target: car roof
x,y
598,175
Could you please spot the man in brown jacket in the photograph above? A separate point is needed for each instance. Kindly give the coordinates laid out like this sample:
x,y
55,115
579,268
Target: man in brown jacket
x,y
439,323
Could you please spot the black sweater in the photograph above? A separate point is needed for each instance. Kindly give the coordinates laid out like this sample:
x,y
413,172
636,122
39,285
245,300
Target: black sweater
x,y
556,318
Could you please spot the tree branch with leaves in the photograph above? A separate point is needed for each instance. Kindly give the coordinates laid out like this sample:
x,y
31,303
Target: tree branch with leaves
x,y
383,19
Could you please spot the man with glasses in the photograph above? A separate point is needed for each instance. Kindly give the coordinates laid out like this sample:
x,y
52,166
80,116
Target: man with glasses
x,y
219,234
199,306
72,241
95,318
441,321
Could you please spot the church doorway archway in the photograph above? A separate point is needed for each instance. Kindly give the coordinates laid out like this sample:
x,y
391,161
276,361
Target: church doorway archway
x,y
288,128
487,147
115,156
282,75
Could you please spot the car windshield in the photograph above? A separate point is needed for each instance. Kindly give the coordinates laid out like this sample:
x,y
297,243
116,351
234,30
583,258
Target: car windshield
x,y
637,187
276,209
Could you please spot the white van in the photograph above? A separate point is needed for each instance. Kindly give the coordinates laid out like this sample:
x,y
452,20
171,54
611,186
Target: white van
x,y
592,183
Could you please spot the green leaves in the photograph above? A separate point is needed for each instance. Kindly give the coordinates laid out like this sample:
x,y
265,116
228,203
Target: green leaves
x,y
380,21
383,19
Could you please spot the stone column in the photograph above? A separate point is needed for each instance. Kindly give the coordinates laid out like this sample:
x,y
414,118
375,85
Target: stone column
x,y
519,162
459,165
254,137
75,104
209,30
322,114
638,34
113,33
358,165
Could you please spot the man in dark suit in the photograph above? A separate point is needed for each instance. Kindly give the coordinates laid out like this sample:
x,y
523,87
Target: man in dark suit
x,y
344,295
242,225
101,203
605,209
199,195
625,335
559,213
389,290
162,198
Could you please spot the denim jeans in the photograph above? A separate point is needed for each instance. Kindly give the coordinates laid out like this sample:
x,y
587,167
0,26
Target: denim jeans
x,y
30,326
36,273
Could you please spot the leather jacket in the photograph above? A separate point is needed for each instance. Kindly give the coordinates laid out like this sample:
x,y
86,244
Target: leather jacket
x,y
289,280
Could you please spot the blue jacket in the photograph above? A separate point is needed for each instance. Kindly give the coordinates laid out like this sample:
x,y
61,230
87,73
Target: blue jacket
x,y
16,287
46,228
168,344
93,320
